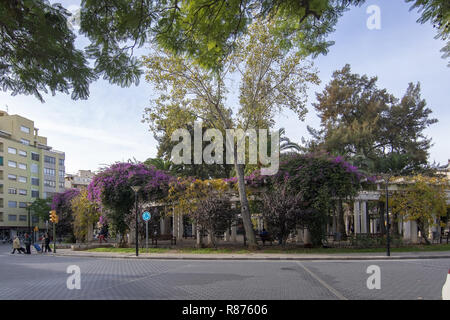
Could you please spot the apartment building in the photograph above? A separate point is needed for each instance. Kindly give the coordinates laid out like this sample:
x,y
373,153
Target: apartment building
x,y
29,169
80,180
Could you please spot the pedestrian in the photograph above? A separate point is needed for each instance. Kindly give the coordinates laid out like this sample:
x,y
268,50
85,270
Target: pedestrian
x,y
16,245
47,243
27,243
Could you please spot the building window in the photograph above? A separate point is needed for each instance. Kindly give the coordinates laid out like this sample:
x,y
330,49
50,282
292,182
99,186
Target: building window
x,y
12,150
23,179
50,183
1,161
49,172
49,159
34,181
23,192
12,164
12,217
61,162
22,218
12,191
24,129
35,193
35,219
12,204
12,177
34,156
22,204
22,153
25,141
34,168
61,184
61,173
22,166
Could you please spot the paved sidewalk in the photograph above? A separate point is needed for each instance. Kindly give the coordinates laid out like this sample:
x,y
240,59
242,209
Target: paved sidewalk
x,y
259,256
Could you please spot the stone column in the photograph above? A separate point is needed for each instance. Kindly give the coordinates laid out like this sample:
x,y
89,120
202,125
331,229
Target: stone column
x,y
306,237
162,225
199,240
174,225
364,217
299,238
357,221
414,230
180,227
194,229
233,233
226,236
90,233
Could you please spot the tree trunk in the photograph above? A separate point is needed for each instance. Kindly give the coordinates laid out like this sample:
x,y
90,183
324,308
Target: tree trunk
x,y
340,219
245,211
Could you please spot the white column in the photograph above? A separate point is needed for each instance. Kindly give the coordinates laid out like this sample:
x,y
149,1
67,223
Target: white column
x,y
194,229
364,217
174,225
162,225
306,236
357,222
226,236
180,227
198,237
414,229
90,233
299,238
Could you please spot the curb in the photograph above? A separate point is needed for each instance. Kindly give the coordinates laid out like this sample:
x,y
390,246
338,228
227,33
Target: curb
x,y
346,258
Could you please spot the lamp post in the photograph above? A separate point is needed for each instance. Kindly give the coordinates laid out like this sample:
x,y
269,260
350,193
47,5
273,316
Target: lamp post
x,y
388,238
29,218
136,190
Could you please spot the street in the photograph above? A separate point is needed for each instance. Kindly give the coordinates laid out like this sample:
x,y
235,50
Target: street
x,y
44,277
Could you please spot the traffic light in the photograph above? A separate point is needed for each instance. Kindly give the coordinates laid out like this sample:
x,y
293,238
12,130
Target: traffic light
x,y
53,217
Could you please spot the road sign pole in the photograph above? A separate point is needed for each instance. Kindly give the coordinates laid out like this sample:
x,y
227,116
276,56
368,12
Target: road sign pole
x,y
146,233
54,237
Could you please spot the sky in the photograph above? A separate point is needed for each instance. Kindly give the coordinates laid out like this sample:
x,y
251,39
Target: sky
x,y
107,127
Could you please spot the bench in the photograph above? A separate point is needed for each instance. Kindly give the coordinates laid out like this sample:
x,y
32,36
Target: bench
x,y
162,237
265,238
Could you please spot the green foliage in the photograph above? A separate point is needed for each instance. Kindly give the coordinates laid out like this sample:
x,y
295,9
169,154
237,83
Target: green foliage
x,y
37,51
85,213
363,122
438,13
41,208
320,178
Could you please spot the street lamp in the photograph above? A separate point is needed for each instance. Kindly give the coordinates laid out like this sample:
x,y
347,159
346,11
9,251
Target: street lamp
x,y
29,217
388,238
136,190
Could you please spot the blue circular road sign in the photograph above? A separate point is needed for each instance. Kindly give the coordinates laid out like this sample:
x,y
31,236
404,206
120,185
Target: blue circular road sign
x,y
146,216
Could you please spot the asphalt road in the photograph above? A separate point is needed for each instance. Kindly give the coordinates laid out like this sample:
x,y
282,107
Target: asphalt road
x,y
44,277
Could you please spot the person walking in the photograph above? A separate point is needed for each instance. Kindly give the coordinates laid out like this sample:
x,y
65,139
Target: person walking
x,y
47,243
27,243
16,245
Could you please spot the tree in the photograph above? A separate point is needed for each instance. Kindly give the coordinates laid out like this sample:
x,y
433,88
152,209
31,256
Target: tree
x,y
37,51
284,210
273,77
61,202
362,122
111,189
215,215
423,200
438,13
38,54
85,212
41,208
322,179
